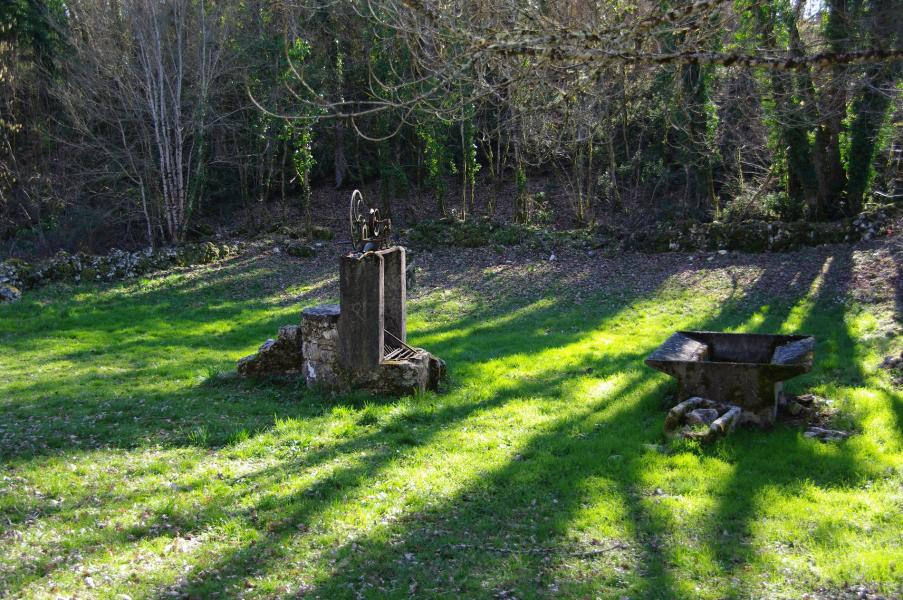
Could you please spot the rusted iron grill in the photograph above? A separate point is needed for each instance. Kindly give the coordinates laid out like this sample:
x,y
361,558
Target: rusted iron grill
x,y
368,231
395,349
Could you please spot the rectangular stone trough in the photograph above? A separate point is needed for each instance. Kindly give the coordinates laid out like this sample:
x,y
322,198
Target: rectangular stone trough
x,y
744,369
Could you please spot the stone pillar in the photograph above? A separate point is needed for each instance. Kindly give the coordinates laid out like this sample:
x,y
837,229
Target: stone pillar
x,y
362,322
395,292
319,330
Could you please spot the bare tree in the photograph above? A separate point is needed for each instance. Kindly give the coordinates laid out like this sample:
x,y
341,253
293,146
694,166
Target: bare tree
x,y
138,94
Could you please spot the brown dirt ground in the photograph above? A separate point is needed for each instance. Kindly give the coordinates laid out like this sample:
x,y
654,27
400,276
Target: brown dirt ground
x,y
868,272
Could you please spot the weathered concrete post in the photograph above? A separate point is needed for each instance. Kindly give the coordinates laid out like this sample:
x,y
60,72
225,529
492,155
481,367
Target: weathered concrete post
x,y
395,292
362,322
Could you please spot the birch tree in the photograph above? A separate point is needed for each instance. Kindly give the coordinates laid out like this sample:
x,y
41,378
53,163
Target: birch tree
x,y
140,91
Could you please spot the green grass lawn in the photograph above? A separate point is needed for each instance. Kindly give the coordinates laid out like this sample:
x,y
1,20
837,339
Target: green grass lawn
x,y
133,466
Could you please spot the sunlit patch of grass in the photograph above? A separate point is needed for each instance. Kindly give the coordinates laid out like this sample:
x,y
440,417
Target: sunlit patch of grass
x,y
134,463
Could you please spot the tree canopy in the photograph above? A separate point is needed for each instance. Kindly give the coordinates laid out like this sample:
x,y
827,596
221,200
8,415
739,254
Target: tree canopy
x,y
127,121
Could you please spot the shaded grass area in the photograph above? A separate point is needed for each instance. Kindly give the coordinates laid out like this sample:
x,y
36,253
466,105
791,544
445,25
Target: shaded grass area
x,y
132,465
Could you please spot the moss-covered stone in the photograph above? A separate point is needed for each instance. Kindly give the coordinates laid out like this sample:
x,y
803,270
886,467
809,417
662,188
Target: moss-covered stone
x,y
828,233
282,356
510,235
749,236
758,235
318,232
657,238
11,272
299,250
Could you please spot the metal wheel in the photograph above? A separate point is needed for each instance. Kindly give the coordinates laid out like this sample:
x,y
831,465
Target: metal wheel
x,y
375,227
357,219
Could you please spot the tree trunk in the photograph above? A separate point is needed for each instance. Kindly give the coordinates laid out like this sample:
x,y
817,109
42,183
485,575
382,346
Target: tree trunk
x,y
832,108
340,162
869,109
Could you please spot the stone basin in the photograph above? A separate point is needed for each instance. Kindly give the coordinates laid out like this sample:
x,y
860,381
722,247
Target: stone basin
x,y
743,369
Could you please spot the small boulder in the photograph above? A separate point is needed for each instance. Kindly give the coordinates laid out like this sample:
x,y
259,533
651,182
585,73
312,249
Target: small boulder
x,y
299,250
826,435
797,409
318,232
892,362
751,419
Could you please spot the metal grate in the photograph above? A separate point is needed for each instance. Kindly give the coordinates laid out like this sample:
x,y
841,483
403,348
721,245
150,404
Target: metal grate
x,y
395,349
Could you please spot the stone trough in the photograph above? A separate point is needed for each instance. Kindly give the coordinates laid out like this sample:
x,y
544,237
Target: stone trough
x,y
746,370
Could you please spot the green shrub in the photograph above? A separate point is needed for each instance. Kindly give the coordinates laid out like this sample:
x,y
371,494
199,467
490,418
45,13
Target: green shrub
x,y
510,235
429,234
319,232
780,205
471,234
474,233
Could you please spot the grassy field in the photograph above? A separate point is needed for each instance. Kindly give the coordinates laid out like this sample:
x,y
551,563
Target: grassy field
x,y
134,466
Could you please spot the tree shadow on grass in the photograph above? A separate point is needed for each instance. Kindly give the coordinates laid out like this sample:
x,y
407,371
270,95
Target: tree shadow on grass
x,y
381,448
131,378
136,346
508,524
483,509
897,283
121,368
503,533
785,460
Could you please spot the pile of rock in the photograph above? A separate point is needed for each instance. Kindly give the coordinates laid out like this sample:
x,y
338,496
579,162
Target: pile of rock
x,y
17,275
873,223
280,356
894,365
10,282
707,420
807,406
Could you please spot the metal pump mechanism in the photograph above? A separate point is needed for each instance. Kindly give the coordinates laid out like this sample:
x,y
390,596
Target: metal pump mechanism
x,y
368,231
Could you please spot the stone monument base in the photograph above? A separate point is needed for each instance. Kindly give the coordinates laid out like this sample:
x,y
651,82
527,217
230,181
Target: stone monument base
x,y
312,351
280,356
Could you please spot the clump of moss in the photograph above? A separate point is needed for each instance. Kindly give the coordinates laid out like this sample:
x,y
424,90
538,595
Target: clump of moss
x,y
324,234
299,250
474,233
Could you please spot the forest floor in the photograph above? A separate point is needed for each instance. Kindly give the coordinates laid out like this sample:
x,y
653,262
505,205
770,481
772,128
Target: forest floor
x,y
135,466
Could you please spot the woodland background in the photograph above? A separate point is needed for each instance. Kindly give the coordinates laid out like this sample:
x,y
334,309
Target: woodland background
x,y
131,123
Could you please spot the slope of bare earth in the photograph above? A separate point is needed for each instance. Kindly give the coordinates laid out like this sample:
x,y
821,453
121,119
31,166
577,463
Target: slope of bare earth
x,y
868,272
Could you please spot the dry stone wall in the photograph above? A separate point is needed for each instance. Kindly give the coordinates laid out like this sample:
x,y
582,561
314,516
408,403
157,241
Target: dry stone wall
x,y
281,356
17,275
